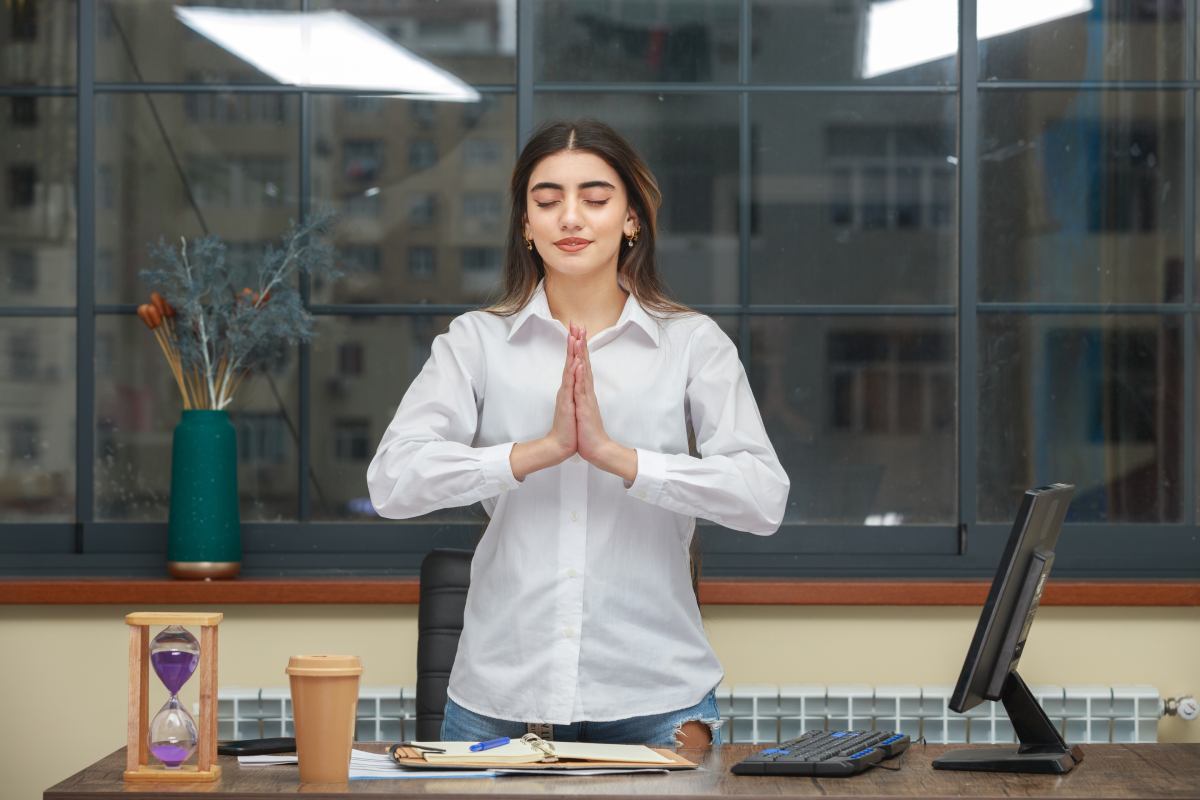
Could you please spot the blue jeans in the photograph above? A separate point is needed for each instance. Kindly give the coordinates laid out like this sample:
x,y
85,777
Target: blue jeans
x,y
657,730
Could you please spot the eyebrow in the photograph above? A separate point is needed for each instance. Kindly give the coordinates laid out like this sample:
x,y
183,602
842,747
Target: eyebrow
x,y
584,185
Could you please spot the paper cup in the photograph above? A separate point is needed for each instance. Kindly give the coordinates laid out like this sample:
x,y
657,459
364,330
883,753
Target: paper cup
x,y
324,699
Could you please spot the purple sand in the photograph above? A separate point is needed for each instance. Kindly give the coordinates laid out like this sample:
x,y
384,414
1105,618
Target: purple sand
x,y
174,667
170,754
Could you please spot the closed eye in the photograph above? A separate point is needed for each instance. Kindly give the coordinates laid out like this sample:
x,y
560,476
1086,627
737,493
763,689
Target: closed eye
x,y
589,202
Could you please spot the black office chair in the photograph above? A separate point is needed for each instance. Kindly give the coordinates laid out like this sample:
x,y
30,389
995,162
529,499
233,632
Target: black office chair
x,y
445,576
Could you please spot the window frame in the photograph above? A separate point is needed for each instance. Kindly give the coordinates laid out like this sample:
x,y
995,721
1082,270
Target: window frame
x,y
305,547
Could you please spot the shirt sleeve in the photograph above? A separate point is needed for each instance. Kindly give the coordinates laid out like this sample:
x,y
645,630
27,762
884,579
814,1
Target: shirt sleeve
x,y
426,460
738,481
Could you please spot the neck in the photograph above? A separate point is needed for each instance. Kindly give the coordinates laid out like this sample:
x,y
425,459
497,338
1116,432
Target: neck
x,y
593,301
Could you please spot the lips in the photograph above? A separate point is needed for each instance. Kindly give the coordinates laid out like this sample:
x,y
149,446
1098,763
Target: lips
x,y
571,244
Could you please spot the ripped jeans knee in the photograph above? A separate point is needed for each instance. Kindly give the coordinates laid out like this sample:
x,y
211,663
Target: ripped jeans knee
x,y
692,732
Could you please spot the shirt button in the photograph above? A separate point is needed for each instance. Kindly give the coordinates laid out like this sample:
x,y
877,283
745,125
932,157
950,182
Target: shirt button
x,y
571,573
641,494
568,633
574,516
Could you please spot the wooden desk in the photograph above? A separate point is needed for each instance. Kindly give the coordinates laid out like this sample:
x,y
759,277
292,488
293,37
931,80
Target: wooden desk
x,y
1108,770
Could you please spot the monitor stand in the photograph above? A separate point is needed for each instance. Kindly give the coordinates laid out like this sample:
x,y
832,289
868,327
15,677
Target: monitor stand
x,y
1042,748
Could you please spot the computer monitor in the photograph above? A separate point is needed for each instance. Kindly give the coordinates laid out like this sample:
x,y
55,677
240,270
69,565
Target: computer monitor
x,y
990,669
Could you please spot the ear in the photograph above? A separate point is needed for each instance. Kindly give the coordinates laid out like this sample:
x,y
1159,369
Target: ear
x,y
631,222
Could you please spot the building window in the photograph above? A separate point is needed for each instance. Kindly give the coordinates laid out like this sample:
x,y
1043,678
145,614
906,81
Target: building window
x,y
260,438
22,185
247,182
480,269
481,152
360,258
23,440
24,112
422,262
422,208
351,440
24,21
362,159
482,210
473,112
22,271
422,154
888,178
890,382
362,105
350,359
224,109
424,113
363,204
105,191
22,356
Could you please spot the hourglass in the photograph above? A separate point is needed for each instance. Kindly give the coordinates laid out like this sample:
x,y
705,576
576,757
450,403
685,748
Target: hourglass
x,y
158,750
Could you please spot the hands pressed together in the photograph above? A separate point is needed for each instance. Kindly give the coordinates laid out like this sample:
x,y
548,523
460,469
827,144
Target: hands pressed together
x,y
577,427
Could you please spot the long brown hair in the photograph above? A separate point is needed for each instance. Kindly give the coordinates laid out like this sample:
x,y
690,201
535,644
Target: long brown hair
x,y
636,265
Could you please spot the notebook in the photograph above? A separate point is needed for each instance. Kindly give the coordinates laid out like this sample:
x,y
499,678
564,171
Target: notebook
x,y
532,750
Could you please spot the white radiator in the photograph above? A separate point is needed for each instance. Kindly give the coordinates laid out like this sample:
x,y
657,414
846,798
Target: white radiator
x,y
767,713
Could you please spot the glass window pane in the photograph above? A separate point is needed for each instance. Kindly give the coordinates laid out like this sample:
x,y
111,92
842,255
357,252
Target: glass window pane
x,y
854,199
225,164
631,40
1093,401
1080,40
424,230
138,406
690,143
37,207
861,411
138,41
37,38
474,40
470,40
361,368
832,41
1081,196
37,421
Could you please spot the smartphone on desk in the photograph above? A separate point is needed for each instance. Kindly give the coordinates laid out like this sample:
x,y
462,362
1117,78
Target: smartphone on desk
x,y
257,747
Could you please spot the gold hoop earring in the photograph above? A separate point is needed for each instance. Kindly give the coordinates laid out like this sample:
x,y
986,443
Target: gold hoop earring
x,y
528,243
634,237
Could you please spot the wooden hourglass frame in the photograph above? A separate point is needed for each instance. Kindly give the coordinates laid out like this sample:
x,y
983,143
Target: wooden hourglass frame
x,y
137,766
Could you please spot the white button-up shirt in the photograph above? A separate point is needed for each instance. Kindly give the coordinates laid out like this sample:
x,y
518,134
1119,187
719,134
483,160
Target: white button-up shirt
x,y
581,604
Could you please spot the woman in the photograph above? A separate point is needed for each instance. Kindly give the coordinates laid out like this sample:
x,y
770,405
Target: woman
x,y
566,410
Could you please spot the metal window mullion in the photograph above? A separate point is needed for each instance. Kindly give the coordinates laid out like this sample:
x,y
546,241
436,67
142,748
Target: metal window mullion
x,y
968,282
303,456
85,320
525,33
745,187
1188,332
680,87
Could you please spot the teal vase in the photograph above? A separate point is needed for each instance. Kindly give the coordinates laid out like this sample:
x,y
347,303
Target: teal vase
x,y
204,535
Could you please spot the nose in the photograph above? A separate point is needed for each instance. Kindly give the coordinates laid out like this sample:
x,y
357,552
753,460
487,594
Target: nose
x,y
569,221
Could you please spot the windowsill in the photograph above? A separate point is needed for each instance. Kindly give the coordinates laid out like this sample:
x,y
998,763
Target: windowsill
x,y
745,591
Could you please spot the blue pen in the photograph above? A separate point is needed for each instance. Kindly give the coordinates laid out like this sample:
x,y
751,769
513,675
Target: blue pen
x,y
489,744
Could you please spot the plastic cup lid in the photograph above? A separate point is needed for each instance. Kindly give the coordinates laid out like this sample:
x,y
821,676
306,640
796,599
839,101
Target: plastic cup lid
x,y
324,666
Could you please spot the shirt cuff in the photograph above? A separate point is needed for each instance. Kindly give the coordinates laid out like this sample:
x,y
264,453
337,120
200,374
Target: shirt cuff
x,y
651,475
496,463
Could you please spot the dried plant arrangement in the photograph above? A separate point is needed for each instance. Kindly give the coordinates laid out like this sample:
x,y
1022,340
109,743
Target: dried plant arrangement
x,y
216,322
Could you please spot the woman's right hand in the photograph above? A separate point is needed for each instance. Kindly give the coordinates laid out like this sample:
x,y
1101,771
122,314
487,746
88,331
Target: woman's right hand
x,y
560,443
562,432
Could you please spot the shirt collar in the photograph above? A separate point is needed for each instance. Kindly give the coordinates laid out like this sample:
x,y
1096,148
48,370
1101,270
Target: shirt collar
x,y
539,306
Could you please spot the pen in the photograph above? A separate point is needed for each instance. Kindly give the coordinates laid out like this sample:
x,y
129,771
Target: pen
x,y
489,744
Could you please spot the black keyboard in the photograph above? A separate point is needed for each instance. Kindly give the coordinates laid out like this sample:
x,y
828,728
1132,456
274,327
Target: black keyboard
x,y
825,753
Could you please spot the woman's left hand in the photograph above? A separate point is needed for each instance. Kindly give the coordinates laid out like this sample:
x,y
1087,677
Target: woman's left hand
x,y
592,441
